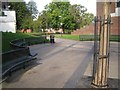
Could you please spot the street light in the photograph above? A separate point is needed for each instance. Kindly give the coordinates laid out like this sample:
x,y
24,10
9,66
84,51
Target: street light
x,y
60,25
61,28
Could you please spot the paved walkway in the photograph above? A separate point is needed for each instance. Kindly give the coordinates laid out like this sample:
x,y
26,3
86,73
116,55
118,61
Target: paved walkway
x,y
59,65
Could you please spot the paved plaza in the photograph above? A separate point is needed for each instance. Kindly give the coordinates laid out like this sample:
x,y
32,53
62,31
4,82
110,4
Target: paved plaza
x,y
60,65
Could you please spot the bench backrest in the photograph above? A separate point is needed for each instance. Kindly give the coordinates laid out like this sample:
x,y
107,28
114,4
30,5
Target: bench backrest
x,y
15,54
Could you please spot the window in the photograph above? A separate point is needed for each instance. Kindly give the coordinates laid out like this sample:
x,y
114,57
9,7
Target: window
x,y
118,4
2,13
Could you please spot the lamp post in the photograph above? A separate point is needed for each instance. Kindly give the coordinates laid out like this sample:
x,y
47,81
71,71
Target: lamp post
x,y
61,28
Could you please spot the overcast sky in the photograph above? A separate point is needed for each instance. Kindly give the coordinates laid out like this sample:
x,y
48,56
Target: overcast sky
x,y
89,4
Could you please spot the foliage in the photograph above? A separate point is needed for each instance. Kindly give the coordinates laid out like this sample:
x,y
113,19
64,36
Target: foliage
x,y
77,12
21,12
31,6
57,14
24,15
60,14
43,20
27,22
36,26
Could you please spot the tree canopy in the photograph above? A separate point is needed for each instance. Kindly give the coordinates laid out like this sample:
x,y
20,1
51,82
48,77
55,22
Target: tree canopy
x,y
31,6
21,12
57,14
24,15
64,15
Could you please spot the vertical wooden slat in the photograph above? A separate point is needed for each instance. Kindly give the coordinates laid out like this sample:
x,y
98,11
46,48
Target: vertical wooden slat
x,y
101,67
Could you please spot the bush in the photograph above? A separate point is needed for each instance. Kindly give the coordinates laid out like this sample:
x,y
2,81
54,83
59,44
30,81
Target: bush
x,y
68,31
57,33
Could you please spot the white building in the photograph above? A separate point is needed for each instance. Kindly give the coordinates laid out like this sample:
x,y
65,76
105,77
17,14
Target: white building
x,y
8,22
7,18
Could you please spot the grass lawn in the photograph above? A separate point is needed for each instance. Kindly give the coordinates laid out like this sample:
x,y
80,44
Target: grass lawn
x,y
115,38
7,37
67,36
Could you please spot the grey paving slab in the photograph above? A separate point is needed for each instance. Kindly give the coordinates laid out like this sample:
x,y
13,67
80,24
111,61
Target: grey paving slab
x,y
113,62
59,65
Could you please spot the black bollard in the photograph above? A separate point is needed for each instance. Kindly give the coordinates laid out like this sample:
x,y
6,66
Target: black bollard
x,y
50,38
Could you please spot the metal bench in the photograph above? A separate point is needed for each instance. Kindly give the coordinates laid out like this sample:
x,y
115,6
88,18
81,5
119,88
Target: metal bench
x,y
17,59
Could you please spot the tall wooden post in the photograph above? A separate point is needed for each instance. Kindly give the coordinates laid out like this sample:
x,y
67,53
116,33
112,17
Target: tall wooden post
x,y
101,66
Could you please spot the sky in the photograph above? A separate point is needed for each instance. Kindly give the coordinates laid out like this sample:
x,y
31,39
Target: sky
x,y
89,4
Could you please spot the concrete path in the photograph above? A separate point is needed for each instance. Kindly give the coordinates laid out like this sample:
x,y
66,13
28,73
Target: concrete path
x,y
113,62
59,65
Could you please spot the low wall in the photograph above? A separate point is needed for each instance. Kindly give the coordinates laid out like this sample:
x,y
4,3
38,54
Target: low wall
x,y
89,30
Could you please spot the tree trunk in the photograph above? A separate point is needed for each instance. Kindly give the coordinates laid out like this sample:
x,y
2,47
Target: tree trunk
x,y
102,65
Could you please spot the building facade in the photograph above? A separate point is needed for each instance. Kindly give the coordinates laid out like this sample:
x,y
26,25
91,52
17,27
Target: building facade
x,y
7,19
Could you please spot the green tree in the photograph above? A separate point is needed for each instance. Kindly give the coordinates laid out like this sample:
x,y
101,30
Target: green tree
x,y
27,22
36,26
58,12
63,14
44,20
88,18
21,12
78,12
32,7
